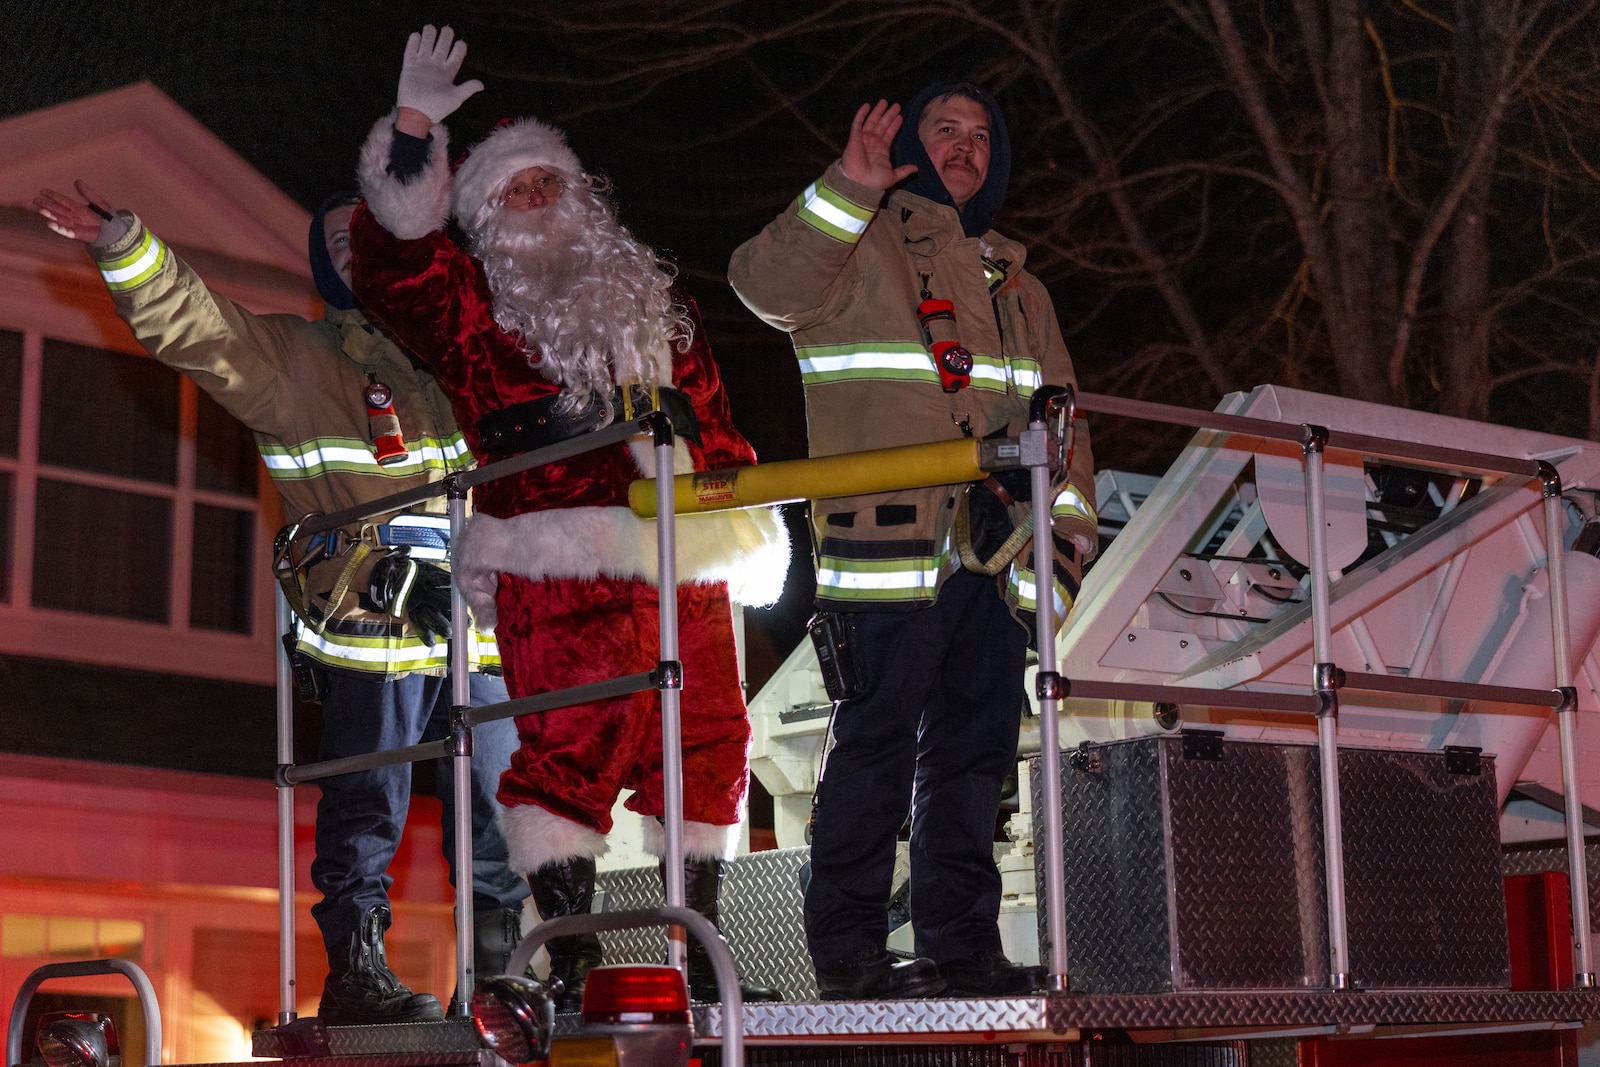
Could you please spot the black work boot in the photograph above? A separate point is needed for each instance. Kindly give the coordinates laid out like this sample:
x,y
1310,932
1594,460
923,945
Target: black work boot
x,y
495,934
702,892
990,974
566,887
362,990
877,974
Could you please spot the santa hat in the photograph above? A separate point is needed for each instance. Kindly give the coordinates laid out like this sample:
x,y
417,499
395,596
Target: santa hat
x,y
515,145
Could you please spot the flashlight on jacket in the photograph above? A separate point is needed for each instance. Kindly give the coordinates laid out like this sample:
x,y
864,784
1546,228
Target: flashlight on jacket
x,y
388,443
954,362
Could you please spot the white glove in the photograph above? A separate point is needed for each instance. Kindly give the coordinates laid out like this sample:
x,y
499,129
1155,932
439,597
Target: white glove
x,y
428,73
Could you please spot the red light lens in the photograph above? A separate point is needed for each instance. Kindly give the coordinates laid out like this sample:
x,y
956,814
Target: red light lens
x,y
636,990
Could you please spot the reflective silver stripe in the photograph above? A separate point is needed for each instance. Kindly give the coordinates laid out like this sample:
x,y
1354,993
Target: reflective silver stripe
x,y
354,454
1026,376
408,654
1071,502
909,578
1026,591
832,214
905,360
137,267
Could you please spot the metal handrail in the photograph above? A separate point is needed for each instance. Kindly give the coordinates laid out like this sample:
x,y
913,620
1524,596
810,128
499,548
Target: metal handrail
x,y
1326,678
667,678
78,969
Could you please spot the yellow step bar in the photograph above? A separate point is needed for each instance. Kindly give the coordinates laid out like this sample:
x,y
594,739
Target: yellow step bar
x,y
880,470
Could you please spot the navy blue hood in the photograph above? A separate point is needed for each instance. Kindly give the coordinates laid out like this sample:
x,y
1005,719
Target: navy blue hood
x,y
982,208
332,287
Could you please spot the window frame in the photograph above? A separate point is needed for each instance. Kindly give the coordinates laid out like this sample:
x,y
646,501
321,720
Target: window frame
x,y
173,647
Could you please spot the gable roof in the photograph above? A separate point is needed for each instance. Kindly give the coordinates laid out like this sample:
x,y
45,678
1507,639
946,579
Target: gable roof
x,y
138,149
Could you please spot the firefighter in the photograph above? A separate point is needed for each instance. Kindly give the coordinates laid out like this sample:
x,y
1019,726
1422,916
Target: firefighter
x,y
555,321
341,417
914,321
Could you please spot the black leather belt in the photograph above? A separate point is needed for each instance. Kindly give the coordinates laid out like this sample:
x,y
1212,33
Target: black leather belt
x,y
535,424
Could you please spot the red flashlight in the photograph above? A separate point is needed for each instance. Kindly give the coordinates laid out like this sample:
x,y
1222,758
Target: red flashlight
x,y
954,362
388,443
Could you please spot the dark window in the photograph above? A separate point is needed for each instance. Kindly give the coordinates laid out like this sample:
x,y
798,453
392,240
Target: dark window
x,y
225,452
102,551
108,412
10,391
224,544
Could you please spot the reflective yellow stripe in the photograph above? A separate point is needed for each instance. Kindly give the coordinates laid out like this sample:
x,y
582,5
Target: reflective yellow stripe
x,y
391,655
906,361
831,213
324,455
137,267
1071,502
907,578
884,360
1023,589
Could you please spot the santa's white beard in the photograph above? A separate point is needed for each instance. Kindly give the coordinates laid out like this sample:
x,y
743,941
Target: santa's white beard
x,y
590,303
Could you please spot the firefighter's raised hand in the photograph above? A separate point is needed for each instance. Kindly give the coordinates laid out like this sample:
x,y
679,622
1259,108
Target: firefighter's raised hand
x,y
866,154
428,74
77,217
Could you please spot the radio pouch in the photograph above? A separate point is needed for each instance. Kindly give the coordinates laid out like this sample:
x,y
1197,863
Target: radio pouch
x,y
832,635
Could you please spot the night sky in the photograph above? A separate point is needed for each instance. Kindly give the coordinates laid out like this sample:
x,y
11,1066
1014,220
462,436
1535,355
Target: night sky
x,y
294,87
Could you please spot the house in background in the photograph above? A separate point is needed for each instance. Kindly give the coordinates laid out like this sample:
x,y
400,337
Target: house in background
x,y
136,606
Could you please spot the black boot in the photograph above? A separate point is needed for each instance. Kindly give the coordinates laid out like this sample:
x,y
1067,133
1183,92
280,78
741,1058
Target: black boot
x,y
567,888
361,989
702,892
495,933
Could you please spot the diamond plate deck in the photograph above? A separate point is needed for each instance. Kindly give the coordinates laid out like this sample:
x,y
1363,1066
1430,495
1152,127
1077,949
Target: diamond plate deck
x,y
392,1045
1061,1016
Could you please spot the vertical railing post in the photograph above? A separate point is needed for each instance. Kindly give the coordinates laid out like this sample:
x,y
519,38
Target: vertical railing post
x,y
461,758
669,680
1325,683
284,682
1049,687
1567,726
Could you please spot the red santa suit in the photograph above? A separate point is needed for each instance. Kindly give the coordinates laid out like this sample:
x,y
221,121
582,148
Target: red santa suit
x,y
553,559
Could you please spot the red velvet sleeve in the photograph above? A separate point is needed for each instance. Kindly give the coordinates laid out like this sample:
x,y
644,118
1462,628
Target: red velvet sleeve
x,y
722,446
429,293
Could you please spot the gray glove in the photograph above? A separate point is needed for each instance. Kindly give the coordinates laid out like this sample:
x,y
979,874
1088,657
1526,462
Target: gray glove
x,y
428,73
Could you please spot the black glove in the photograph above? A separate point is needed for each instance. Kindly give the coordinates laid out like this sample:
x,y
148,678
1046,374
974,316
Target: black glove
x,y
406,588
429,606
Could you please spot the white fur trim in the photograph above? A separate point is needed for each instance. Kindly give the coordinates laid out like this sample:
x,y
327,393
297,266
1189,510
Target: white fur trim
x,y
644,457
701,840
748,549
509,149
536,837
408,210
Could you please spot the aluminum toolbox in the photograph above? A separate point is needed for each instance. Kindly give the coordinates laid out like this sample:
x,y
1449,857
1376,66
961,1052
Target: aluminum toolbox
x,y
1194,863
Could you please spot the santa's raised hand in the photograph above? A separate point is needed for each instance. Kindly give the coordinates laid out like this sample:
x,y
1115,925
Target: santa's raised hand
x,y
433,58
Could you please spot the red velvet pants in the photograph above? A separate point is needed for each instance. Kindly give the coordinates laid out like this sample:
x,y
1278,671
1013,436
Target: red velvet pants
x,y
574,762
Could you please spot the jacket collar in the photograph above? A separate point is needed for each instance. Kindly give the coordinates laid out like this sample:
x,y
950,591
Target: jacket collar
x,y
930,227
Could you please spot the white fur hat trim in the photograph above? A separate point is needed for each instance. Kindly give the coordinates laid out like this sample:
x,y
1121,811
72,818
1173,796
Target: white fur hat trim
x,y
513,147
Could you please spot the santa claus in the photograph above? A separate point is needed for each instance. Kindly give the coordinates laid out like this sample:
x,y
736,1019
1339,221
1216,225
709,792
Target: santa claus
x,y
555,321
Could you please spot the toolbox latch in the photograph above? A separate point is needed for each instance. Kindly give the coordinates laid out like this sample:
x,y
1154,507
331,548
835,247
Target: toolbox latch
x,y
1202,744
1463,759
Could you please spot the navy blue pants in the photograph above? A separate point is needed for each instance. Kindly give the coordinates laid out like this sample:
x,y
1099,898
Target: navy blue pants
x,y
361,815
934,732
